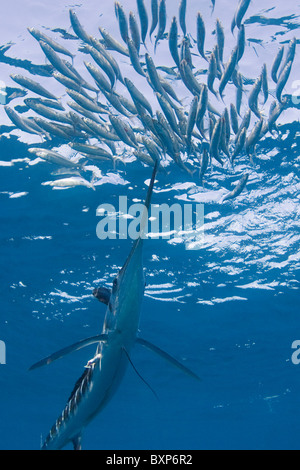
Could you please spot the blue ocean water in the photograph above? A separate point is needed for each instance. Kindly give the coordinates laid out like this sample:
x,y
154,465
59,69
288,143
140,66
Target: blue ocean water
x,y
229,310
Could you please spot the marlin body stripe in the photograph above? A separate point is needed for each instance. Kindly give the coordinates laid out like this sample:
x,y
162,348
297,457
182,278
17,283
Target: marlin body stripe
x,y
106,369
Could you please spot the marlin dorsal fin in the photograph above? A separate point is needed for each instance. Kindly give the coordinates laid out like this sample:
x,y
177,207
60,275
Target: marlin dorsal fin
x,y
148,200
74,347
167,357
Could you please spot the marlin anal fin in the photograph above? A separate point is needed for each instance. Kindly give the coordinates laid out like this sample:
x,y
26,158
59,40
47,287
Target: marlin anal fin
x,y
77,442
138,374
74,347
167,357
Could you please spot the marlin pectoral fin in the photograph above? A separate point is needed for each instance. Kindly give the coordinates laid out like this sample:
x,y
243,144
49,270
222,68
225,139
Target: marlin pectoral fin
x,y
102,294
74,347
167,356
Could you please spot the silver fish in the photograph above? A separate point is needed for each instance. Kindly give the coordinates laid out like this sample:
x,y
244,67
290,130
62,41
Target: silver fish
x,y
56,61
55,45
53,157
173,41
212,73
254,137
283,78
234,118
182,15
134,31
47,112
101,131
238,189
253,96
112,43
121,130
86,102
215,141
241,11
162,21
99,78
103,64
134,58
240,143
192,118
23,124
229,69
200,35
143,18
32,86
77,27
276,64
123,23
91,150
220,38
265,86
137,96
241,42
154,11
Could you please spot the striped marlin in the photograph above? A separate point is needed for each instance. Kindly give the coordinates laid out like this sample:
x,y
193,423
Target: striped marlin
x,y
104,372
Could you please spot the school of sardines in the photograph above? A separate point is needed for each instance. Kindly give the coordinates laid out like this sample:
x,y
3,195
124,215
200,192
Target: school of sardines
x,y
194,138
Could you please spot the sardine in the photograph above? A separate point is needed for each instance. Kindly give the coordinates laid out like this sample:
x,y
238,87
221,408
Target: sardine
x,y
215,141
238,189
134,31
276,64
234,119
33,86
173,41
123,23
56,61
99,78
47,112
112,43
91,150
239,145
86,102
154,11
143,18
39,36
254,137
283,78
253,96
182,15
241,42
138,96
265,86
103,64
220,38
121,130
77,28
229,69
134,58
212,73
200,35
192,118
162,21
241,11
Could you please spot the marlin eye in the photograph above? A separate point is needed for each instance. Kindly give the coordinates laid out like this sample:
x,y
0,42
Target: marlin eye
x,y
115,283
